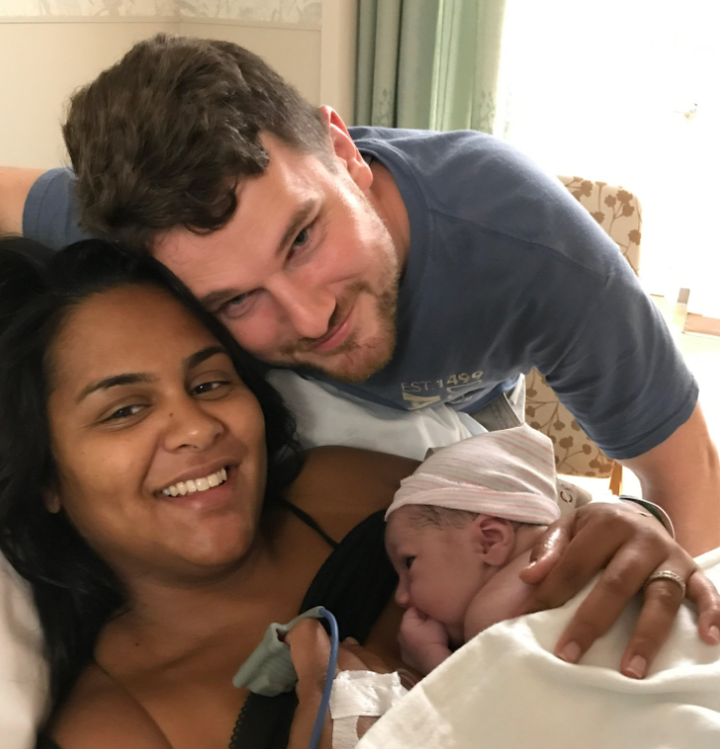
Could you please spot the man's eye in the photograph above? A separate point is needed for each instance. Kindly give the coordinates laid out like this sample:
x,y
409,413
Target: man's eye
x,y
236,306
408,562
301,238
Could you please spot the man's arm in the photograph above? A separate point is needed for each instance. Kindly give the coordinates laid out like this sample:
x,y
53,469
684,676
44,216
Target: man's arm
x,y
15,184
682,474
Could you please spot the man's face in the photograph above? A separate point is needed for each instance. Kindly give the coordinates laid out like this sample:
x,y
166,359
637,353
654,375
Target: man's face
x,y
304,274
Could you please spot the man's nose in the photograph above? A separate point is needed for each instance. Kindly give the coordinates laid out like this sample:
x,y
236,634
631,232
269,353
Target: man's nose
x,y
308,308
190,426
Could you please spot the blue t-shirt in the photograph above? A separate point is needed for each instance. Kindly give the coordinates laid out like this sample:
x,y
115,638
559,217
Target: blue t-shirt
x,y
506,271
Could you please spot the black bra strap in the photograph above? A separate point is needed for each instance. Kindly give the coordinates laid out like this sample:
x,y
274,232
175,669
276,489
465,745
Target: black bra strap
x,y
309,521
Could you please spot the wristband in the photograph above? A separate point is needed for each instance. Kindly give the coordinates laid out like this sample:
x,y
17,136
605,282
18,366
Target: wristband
x,y
655,510
360,693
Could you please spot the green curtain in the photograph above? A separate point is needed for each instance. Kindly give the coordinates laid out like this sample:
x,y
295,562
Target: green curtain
x,y
429,64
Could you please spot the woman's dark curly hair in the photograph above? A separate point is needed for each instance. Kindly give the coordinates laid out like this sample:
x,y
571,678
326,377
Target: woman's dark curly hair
x,y
74,589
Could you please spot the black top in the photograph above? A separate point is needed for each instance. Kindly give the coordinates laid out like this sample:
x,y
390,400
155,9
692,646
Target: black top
x,y
355,583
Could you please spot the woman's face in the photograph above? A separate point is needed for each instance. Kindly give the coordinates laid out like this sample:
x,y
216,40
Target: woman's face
x,y
147,417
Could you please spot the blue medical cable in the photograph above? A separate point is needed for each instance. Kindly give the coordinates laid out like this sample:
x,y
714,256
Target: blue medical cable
x,y
329,678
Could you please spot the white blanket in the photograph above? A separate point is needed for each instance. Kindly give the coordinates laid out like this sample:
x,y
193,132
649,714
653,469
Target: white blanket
x,y
506,689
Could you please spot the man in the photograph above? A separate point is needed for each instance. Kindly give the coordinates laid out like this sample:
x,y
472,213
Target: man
x,y
408,268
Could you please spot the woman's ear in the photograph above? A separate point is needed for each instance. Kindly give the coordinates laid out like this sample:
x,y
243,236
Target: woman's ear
x,y
493,539
51,500
345,149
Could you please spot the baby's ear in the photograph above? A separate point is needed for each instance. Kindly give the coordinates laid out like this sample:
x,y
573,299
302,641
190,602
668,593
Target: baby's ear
x,y
493,539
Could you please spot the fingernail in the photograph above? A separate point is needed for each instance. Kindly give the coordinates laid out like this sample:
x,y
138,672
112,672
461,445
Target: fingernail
x,y
636,668
570,653
714,634
351,641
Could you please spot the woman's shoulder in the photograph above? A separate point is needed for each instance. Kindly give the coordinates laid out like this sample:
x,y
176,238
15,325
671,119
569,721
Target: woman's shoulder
x,y
358,479
100,713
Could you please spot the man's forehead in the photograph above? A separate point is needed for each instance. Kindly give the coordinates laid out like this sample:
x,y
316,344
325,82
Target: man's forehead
x,y
240,253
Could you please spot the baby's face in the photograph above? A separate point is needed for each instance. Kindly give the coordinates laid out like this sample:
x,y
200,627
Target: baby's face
x,y
439,569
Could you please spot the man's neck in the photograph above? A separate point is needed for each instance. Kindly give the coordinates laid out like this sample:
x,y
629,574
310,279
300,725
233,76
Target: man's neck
x,y
386,199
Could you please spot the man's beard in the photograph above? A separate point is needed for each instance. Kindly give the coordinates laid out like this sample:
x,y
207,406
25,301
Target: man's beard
x,y
357,361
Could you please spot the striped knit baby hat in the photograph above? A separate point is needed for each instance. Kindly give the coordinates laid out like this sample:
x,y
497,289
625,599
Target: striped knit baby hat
x,y
508,474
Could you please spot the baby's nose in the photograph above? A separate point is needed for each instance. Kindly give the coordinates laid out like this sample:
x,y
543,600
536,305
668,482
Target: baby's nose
x,y
402,597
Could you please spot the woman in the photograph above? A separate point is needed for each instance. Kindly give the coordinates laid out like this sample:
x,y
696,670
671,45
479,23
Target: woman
x,y
143,464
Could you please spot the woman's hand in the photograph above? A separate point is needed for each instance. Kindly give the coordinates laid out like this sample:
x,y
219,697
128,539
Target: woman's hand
x,y
424,642
625,546
310,651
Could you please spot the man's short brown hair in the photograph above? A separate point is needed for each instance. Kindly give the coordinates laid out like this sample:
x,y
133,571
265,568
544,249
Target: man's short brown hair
x,y
162,138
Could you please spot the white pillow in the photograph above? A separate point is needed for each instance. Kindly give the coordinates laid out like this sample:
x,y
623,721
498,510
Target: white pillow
x,y
23,669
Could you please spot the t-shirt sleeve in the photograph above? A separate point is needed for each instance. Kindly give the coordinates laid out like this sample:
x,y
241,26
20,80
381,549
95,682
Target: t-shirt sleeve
x,y
603,345
622,375
50,215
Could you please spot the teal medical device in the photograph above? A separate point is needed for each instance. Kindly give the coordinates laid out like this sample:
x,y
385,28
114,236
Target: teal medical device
x,y
269,670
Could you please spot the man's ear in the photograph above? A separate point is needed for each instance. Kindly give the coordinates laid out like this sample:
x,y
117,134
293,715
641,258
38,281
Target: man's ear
x,y
345,149
493,539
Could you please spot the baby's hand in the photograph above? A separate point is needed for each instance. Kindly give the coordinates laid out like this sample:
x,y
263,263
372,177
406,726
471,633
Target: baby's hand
x,y
424,642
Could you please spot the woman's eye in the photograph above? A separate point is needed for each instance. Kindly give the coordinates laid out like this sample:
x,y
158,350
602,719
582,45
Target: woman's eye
x,y
408,562
211,386
124,413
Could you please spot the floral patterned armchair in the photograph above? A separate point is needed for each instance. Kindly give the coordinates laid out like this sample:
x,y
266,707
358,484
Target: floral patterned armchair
x,y
618,212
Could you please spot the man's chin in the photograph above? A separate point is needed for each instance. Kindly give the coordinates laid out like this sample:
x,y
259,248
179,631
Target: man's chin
x,y
349,372
351,366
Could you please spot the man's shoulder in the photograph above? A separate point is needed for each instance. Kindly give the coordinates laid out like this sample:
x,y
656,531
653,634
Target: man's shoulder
x,y
467,178
50,214
422,149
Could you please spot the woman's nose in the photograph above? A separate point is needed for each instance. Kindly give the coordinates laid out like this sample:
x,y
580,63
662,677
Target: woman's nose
x,y
190,426
307,307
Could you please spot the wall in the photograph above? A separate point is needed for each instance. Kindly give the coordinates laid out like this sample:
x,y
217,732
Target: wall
x,y
50,47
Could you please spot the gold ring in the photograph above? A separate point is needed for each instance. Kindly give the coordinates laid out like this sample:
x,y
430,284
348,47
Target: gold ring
x,y
665,575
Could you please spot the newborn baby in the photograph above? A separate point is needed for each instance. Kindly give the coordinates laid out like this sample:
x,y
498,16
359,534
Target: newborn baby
x,y
460,530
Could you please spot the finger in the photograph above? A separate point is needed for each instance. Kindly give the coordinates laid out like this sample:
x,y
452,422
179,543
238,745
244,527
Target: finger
x,y
617,584
661,602
704,595
547,551
310,653
579,564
